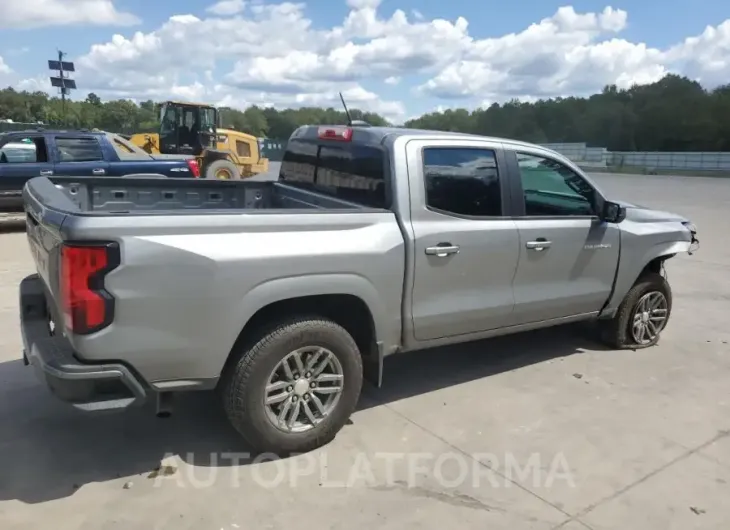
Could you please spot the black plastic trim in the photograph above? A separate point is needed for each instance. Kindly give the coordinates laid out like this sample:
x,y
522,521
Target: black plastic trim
x,y
56,364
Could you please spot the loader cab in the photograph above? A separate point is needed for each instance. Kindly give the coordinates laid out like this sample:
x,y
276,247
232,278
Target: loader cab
x,y
187,128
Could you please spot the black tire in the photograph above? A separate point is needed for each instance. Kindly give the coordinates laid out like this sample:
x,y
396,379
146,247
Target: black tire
x,y
246,378
222,165
617,331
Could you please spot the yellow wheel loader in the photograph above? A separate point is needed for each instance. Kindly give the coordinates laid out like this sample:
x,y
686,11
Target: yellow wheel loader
x,y
192,128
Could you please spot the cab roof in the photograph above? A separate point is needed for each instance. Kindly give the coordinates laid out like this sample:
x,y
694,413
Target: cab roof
x,y
189,104
377,135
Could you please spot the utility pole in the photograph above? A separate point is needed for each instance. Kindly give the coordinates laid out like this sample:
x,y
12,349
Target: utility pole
x,y
63,88
65,84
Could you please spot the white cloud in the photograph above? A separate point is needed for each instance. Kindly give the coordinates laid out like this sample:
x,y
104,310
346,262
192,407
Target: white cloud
x,y
705,57
227,7
363,4
567,54
37,84
4,68
26,14
6,75
273,54
9,77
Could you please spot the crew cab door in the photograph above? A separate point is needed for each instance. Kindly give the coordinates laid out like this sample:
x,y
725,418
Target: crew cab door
x,y
79,156
568,255
465,250
23,157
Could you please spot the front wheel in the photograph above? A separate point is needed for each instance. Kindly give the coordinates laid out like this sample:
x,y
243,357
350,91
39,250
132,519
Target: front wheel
x,y
642,316
222,170
295,387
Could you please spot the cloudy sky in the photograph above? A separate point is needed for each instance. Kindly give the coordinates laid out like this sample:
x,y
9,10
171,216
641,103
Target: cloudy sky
x,y
397,57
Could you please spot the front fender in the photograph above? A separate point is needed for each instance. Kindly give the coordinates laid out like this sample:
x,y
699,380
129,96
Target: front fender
x,y
387,326
632,263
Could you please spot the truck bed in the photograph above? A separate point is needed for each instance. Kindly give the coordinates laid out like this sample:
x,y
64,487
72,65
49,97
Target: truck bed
x,y
164,196
197,251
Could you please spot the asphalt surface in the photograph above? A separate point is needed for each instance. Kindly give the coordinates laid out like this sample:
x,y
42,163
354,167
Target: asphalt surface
x,y
542,430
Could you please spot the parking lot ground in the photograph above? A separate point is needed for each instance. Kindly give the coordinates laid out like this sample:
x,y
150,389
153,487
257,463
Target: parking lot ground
x,y
542,430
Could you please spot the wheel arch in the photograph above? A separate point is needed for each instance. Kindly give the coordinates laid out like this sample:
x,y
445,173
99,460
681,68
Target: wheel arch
x,y
628,273
213,155
349,301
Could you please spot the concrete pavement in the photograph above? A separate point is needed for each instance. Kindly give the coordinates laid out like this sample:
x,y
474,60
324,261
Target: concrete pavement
x,y
542,430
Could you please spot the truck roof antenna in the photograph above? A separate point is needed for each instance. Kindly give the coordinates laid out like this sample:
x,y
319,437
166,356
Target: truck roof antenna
x,y
347,112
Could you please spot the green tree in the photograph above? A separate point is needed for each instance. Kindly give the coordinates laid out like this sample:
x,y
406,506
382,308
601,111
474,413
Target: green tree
x,y
675,114
93,99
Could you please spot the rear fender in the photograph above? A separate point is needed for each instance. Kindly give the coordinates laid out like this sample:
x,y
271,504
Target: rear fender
x,y
386,327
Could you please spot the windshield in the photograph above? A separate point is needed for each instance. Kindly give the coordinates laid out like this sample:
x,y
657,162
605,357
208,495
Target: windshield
x,y
168,119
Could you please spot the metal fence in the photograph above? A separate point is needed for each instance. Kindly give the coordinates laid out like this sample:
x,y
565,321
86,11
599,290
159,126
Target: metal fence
x,y
6,126
600,157
272,148
684,161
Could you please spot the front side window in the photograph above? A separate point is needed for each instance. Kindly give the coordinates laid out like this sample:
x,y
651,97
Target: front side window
x,y
552,189
462,181
79,149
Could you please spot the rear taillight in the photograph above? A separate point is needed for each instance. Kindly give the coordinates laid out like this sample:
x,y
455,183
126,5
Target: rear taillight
x,y
87,307
194,167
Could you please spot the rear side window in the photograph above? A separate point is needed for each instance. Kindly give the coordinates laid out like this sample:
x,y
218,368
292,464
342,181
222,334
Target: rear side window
x,y
79,149
23,151
352,172
125,149
462,181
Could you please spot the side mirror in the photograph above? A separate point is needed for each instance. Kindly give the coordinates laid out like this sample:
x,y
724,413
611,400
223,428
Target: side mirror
x,y
613,212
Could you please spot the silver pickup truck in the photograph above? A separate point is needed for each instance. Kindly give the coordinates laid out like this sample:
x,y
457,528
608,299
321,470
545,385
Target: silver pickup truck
x,y
283,296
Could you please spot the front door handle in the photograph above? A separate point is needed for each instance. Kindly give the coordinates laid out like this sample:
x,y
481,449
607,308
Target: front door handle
x,y
98,171
539,245
442,250
46,172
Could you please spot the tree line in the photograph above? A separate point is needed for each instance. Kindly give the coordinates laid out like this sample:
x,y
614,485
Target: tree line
x,y
673,114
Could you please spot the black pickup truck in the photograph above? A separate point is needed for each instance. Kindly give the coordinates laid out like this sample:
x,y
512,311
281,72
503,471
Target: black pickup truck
x,y
28,154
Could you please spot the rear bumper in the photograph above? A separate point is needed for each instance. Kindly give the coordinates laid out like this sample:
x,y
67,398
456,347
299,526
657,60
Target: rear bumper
x,y
89,387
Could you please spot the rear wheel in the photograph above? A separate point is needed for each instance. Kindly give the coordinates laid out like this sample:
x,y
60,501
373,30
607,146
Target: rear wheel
x,y
642,316
222,170
294,388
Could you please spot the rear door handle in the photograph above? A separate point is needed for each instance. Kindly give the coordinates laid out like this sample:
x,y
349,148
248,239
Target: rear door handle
x,y
539,245
442,250
98,171
46,172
